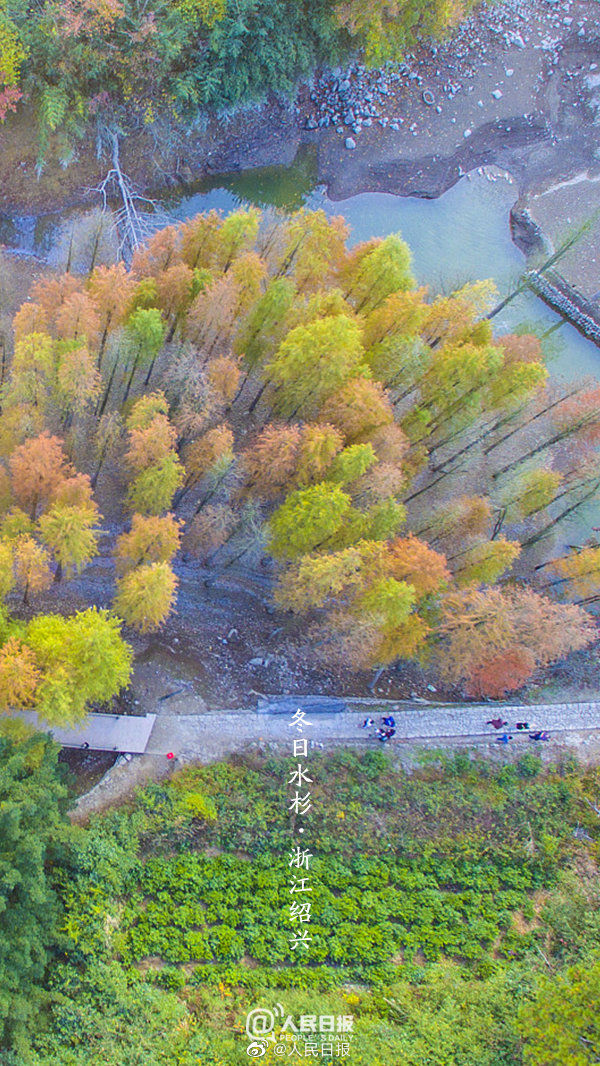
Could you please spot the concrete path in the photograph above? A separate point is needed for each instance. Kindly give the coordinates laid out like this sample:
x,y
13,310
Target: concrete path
x,y
216,735
101,732
210,737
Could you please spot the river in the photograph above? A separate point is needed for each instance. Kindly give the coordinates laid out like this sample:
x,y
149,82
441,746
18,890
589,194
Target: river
x,y
458,237
461,236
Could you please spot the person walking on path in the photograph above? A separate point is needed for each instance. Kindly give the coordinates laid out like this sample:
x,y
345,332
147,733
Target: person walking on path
x,y
368,722
385,735
504,739
496,722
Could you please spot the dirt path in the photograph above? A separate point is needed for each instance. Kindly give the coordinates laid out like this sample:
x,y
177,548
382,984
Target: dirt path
x,y
217,735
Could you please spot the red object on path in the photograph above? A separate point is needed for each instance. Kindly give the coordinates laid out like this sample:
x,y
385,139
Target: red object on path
x,y
170,755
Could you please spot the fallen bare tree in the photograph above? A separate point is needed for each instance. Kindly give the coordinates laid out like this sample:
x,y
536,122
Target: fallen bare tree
x,y
138,216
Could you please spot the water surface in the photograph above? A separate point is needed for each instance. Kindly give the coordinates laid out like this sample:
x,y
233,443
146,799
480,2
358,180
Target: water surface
x,y
461,236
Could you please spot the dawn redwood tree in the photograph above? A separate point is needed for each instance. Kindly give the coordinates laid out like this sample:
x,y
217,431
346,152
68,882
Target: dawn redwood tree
x,y
153,489
149,443
210,530
112,290
535,491
318,448
223,375
83,660
145,334
212,318
263,327
158,253
207,458
579,573
7,567
311,401
268,465
106,441
77,379
50,293
174,292
235,235
38,467
410,559
350,465
465,516
388,602
506,672
315,580
30,318
306,520
313,249
312,362
151,539
71,535
358,409
32,566
146,596
19,675
375,270
33,370
151,456
77,320
398,319
478,627
485,562
199,238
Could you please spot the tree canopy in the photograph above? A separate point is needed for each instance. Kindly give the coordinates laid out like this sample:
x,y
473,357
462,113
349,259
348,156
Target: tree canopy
x,y
261,388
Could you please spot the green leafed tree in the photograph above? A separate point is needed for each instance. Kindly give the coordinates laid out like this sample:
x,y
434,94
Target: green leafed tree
x,y
561,1025
312,362
145,332
70,534
146,596
151,539
83,660
33,828
306,520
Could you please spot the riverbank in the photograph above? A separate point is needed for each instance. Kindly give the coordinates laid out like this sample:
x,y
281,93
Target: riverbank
x,y
515,87
518,87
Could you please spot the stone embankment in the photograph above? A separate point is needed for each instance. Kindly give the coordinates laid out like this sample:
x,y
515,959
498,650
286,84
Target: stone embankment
x,y
555,291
